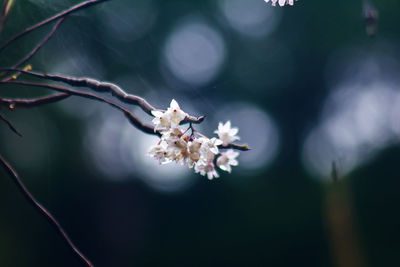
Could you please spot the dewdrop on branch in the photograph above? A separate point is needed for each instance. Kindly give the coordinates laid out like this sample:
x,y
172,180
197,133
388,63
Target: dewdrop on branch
x,y
191,148
281,2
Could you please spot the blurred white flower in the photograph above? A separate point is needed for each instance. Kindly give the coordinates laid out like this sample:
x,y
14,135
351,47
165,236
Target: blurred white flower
x,y
227,134
227,159
281,2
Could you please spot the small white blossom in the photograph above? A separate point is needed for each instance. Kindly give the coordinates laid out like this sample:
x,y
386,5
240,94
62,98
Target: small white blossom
x,y
210,144
194,152
178,149
160,153
174,132
174,112
227,159
205,168
281,2
227,134
173,115
161,121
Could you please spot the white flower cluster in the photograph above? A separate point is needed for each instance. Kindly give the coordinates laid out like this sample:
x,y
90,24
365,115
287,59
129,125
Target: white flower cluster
x,y
281,2
195,150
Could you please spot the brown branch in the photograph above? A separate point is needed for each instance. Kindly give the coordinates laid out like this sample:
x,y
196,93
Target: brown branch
x,y
12,128
44,41
131,117
235,146
98,86
53,18
50,218
128,114
32,102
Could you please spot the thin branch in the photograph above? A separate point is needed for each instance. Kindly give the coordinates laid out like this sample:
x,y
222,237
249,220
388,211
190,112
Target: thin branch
x,y
36,48
146,128
44,41
235,146
12,128
98,86
32,102
131,117
53,18
50,218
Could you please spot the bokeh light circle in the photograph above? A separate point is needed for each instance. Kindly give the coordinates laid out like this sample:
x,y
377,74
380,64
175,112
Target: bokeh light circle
x,y
194,52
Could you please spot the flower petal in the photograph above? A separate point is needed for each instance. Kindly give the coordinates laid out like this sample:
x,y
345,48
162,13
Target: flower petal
x,y
174,104
157,113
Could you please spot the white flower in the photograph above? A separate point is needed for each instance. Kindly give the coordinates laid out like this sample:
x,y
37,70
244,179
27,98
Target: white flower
x,y
178,149
227,134
174,132
206,168
194,153
160,153
210,144
161,121
227,159
174,113
281,2
198,152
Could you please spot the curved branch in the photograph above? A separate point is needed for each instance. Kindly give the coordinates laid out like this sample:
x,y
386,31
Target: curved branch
x,y
146,128
10,125
36,49
53,18
131,117
50,218
32,102
235,146
99,86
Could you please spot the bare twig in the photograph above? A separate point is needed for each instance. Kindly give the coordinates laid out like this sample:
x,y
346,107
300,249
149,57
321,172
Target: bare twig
x,y
235,146
50,218
53,18
131,117
98,86
32,102
37,47
12,128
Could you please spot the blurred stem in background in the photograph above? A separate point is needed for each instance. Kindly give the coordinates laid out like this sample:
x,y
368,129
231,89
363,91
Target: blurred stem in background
x,y
370,15
341,224
5,10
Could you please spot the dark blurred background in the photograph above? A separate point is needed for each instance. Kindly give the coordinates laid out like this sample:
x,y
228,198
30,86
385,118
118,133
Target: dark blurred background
x,y
305,85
